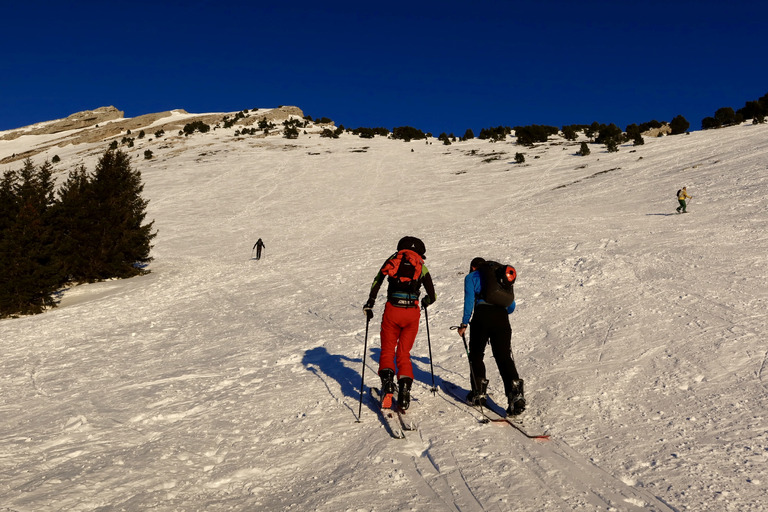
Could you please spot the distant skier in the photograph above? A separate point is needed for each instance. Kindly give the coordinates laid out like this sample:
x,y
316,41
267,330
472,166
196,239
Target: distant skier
x,y
682,195
259,245
406,273
490,322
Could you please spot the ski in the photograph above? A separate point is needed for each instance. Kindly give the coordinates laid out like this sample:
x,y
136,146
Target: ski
x,y
491,416
391,417
514,422
406,419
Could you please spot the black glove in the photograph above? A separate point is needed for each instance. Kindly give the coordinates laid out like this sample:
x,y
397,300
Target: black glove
x,y
425,301
368,308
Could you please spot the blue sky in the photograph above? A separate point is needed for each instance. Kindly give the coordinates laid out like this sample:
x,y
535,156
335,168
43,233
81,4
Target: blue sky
x,y
437,66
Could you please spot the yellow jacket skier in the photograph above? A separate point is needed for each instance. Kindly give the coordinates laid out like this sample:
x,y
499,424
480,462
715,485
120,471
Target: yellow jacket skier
x,y
682,195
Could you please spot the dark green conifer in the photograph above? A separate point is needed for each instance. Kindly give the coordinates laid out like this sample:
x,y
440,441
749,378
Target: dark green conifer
x,y
121,243
72,217
679,125
30,275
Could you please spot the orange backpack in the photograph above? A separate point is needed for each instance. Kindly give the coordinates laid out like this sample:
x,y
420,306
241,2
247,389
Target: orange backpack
x,y
404,267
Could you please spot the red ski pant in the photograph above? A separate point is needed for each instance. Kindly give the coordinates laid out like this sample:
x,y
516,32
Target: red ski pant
x,y
398,333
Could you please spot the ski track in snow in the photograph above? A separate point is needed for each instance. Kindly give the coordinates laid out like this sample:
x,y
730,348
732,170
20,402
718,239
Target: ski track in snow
x,y
219,382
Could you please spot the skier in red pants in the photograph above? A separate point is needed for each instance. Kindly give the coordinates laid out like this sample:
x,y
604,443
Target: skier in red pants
x,y
406,273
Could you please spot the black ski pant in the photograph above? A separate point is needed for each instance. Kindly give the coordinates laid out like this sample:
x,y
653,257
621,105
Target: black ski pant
x,y
491,323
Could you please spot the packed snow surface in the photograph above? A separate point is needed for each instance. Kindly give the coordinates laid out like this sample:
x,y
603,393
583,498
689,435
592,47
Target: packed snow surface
x,y
219,382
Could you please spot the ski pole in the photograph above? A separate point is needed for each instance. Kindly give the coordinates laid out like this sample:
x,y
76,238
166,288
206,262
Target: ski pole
x,y
485,419
362,378
429,344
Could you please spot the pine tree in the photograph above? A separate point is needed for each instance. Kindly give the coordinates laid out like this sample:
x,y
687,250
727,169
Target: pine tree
x,y
679,125
633,131
609,132
726,116
8,201
30,274
592,130
116,213
71,217
9,207
709,123
569,132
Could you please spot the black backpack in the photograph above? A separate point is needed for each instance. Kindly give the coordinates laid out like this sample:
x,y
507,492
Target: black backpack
x,y
677,196
497,283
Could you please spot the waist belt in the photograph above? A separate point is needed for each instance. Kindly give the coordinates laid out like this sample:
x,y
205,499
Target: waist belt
x,y
403,303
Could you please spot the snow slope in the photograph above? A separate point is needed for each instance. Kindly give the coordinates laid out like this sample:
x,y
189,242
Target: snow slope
x,y
219,382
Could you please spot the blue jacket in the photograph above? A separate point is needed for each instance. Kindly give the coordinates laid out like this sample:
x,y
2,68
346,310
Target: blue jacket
x,y
472,289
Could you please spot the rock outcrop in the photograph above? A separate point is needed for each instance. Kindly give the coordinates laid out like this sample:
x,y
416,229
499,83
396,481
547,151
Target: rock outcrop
x,y
105,123
76,121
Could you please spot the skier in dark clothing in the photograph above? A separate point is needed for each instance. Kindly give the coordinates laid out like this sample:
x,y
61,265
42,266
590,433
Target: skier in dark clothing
x,y
259,245
406,273
489,323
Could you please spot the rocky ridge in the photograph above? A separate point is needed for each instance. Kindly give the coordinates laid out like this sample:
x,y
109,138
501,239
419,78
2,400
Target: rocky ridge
x,y
106,123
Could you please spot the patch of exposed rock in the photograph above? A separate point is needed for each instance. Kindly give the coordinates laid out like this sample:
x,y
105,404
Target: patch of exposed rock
x,y
76,121
105,123
655,132
276,115
102,133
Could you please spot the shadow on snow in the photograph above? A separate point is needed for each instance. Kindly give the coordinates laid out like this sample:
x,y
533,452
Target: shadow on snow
x,y
337,367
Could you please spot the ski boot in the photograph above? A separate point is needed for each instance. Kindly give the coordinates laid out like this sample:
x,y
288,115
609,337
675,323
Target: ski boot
x,y
478,396
387,387
404,393
516,398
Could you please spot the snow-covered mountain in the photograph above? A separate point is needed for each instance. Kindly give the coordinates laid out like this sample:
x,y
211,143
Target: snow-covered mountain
x,y
219,382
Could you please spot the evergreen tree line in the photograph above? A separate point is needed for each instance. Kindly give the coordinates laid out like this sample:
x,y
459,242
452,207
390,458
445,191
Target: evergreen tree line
x,y
90,229
600,133
597,132
726,116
